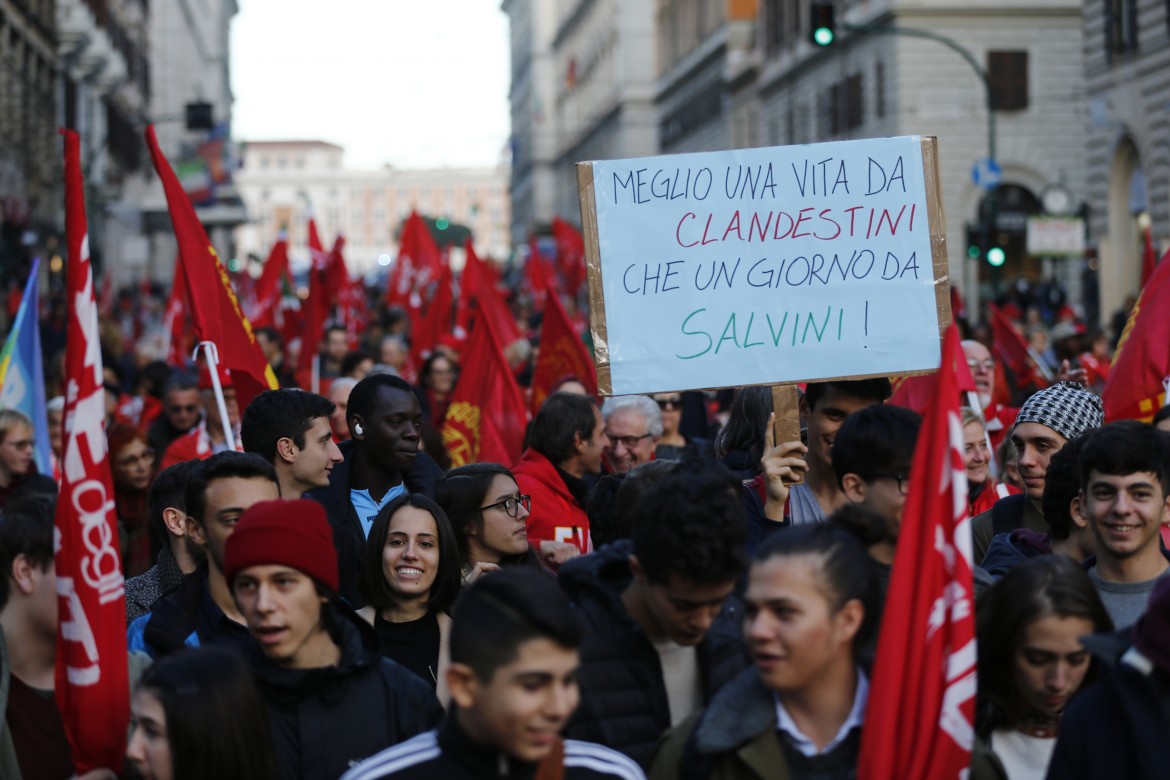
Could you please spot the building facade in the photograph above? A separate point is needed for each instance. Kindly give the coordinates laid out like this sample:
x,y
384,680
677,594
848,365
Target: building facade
x,y
283,182
1127,67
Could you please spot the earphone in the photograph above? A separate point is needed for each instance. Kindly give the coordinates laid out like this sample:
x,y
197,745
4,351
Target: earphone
x,y
357,428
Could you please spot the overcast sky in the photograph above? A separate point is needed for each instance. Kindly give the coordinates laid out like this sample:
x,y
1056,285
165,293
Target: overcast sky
x,y
413,83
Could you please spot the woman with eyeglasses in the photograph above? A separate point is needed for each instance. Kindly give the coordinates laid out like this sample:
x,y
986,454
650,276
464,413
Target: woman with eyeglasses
x,y
982,489
132,469
487,512
18,470
409,578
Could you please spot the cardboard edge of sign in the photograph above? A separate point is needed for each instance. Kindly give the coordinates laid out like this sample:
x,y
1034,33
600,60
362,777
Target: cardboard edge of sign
x,y
784,404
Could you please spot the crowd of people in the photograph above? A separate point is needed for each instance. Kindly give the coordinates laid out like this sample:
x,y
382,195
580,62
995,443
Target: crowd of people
x,y
656,587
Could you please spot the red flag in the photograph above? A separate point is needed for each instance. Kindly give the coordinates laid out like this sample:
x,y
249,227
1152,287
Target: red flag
x,y
488,302
316,305
536,274
419,261
268,286
915,392
1142,361
92,684
179,344
570,255
1149,259
487,416
921,713
215,312
1011,348
474,276
436,321
562,353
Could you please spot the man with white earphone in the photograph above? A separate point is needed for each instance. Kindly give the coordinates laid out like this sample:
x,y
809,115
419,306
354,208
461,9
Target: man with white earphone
x,y
381,461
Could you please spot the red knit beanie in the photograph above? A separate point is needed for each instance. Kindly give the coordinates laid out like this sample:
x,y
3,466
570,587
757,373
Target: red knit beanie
x,y
283,533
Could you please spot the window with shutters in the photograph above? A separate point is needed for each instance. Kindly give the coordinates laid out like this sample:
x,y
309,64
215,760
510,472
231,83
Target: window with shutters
x,y
1008,73
1121,28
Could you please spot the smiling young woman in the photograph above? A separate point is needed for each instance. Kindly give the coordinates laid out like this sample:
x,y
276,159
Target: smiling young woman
x,y
409,578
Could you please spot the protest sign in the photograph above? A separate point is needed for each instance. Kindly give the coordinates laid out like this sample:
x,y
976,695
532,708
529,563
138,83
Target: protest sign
x,y
765,266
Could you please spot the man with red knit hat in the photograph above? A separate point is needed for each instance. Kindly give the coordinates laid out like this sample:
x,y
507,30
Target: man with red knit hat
x,y
332,698
207,438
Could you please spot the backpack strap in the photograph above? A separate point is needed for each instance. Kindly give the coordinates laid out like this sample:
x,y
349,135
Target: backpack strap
x,y
1007,514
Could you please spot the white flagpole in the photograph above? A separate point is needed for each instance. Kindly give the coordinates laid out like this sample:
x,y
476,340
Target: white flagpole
x,y
211,355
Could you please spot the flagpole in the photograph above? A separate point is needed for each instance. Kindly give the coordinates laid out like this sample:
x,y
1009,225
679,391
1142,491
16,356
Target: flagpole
x,y
211,355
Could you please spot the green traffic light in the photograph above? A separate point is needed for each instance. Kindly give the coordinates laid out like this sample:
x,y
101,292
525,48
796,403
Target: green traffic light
x,y
996,256
973,252
442,223
823,36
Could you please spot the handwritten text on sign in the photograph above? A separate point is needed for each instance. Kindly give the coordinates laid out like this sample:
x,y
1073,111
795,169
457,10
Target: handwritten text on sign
x,y
766,266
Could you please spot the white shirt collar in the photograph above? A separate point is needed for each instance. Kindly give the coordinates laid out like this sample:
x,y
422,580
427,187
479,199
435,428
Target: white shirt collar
x,y
785,723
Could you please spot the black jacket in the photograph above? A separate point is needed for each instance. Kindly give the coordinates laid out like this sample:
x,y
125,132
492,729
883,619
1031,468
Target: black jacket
x,y
450,754
348,536
623,696
1117,726
187,616
323,721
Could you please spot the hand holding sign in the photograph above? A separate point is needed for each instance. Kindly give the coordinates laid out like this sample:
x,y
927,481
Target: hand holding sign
x,y
783,466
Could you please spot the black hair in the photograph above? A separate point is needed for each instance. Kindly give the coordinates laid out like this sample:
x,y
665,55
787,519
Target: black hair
x,y
26,528
180,381
1062,483
690,524
429,364
561,418
601,508
866,525
1163,413
844,570
1127,447
364,394
629,490
272,334
276,414
1031,590
372,577
216,720
352,360
877,390
223,465
497,614
746,420
169,489
153,377
461,492
334,326
874,440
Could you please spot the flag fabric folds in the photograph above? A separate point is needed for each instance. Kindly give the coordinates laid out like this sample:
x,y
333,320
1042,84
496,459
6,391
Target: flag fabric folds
x,y
919,723
215,311
1134,389
92,686
570,255
436,320
1011,348
269,285
562,353
487,415
915,392
22,376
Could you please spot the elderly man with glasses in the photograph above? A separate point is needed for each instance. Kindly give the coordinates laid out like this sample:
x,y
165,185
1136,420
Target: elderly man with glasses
x,y
633,425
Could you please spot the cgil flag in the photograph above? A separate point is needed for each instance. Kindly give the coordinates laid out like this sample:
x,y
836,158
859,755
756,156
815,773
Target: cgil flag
x,y
919,723
1134,389
22,377
487,415
215,311
92,684
562,353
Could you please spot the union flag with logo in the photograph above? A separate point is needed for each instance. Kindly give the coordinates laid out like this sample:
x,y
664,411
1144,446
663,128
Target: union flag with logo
x,y
487,415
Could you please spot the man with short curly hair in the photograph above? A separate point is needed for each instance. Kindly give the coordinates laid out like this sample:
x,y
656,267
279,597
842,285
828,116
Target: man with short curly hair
x,y
663,631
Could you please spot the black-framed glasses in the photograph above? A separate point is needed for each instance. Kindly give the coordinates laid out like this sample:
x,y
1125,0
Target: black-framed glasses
x,y
667,404
511,505
630,441
903,480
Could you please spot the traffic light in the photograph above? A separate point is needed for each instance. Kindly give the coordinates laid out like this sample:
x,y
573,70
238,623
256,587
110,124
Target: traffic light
x,y
822,28
996,256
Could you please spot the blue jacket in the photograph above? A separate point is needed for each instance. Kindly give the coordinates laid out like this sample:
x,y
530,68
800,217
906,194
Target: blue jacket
x,y
186,617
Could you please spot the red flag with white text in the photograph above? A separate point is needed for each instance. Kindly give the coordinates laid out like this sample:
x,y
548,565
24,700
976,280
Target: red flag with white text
x,y
92,685
919,723
215,311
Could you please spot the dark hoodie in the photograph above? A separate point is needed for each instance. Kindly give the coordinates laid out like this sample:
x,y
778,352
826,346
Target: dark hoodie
x,y
624,702
324,720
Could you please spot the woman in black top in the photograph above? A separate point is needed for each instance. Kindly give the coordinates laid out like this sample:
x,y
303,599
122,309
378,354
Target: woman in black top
x,y
409,578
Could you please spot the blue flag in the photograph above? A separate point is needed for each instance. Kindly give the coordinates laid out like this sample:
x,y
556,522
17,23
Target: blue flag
x,y
22,376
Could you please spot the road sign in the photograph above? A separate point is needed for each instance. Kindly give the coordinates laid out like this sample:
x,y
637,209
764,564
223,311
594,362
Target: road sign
x,y
986,173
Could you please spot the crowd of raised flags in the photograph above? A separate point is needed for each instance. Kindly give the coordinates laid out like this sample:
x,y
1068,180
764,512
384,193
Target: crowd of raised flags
x,y
921,716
